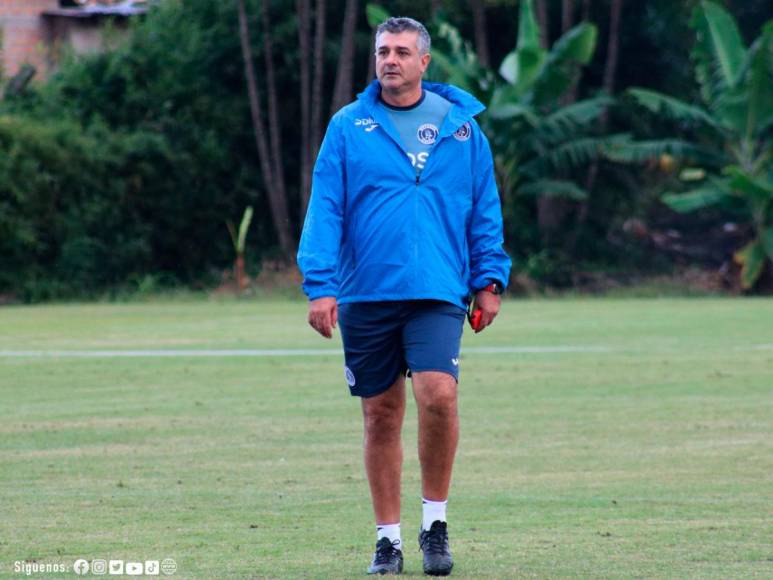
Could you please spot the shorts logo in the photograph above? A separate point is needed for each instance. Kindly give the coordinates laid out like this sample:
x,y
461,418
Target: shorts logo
x,y
427,133
349,376
455,362
463,133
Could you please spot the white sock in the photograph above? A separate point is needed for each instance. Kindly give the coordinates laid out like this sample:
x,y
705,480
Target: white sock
x,y
432,511
391,531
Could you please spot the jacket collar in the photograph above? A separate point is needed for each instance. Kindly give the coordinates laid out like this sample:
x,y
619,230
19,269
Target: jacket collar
x,y
463,105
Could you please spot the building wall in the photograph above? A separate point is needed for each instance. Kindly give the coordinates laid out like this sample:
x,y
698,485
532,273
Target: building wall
x,y
23,34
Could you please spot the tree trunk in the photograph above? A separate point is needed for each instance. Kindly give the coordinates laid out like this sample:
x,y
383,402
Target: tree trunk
x,y
275,136
586,10
344,77
317,86
277,201
551,213
372,58
553,210
567,15
613,46
610,69
567,21
481,35
544,23
241,282
304,47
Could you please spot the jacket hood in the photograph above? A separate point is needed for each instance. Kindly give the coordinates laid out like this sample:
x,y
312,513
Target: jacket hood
x,y
465,106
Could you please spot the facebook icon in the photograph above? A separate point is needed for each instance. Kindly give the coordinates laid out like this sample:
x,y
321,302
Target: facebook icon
x,y
81,567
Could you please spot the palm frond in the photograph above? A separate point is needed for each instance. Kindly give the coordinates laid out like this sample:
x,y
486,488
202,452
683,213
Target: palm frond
x,y
700,197
528,30
569,120
760,85
577,45
627,151
564,61
570,155
671,107
752,260
719,50
553,188
506,103
243,227
521,66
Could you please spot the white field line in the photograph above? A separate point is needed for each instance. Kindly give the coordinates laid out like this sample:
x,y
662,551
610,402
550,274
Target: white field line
x,y
756,347
276,352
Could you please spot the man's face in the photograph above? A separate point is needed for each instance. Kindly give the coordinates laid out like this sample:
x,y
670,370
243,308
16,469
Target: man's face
x,y
399,66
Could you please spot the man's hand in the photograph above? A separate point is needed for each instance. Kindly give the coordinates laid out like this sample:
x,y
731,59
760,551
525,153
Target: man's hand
x,y
488,304
323,315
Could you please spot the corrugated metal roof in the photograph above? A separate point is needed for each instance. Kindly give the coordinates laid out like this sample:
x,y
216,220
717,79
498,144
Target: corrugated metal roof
x,y
126,8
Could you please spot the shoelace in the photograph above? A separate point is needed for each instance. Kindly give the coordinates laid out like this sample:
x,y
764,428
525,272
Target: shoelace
x,y
434,541
386,551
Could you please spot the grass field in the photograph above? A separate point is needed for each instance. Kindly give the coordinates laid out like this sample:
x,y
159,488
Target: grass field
x,y
650,455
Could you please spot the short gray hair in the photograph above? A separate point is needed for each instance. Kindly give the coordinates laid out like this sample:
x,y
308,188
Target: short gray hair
x,y
396,25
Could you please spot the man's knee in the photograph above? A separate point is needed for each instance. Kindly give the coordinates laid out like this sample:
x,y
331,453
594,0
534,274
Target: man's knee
x,y
436,393
383,414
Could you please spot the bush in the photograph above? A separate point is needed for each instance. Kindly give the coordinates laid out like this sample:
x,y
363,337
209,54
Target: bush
x,y
129,163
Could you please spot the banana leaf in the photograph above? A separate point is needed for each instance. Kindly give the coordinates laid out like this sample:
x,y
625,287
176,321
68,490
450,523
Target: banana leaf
x,y
751,258
719,50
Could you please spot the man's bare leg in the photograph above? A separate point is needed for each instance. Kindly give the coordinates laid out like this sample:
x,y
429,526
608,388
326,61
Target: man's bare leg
x,y
436,394
383,422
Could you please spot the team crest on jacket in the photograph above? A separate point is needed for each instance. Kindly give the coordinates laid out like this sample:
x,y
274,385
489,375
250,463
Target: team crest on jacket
x,y
427,133
463,133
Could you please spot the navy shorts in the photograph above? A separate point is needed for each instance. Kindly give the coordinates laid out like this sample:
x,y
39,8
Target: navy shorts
x,y
383,340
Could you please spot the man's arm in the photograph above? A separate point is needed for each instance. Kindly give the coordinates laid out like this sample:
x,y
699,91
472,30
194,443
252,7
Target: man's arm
x,y
489,263
322,231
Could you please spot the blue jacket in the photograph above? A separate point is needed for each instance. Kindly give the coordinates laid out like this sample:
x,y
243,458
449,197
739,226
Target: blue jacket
x,y
375,231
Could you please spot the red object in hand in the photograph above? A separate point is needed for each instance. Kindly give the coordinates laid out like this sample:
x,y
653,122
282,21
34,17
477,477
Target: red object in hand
x,y
475,318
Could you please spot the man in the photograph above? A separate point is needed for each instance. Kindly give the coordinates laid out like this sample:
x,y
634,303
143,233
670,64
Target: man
x,y
404,223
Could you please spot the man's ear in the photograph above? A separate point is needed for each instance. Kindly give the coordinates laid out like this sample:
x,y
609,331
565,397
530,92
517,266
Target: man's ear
x,y
425,58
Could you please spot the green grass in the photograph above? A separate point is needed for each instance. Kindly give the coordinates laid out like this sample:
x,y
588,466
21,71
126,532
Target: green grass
x,y
651,460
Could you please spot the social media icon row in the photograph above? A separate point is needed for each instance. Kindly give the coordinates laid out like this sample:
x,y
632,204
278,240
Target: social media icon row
x,y
118,567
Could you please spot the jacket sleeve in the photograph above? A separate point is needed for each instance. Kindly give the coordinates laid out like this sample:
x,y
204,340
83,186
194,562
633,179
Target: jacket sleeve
x,y
488,260
321,237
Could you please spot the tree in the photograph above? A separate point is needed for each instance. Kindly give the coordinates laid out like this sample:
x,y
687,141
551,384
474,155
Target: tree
x,y
543,23
481,35
613,46
239,240
539,145
539,142
318,81
567,15
270,159
342,93
304,56
735,164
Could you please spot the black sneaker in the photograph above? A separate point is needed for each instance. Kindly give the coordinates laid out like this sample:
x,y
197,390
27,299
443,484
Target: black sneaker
x,y
437,555
387,559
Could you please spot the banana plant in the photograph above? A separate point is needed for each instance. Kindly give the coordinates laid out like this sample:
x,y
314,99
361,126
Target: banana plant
x,y
542,144
239,240
736,88
537,142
